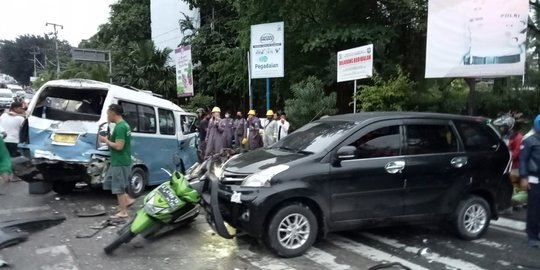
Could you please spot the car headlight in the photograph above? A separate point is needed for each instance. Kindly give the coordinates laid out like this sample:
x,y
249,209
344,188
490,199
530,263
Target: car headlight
x,y
262,178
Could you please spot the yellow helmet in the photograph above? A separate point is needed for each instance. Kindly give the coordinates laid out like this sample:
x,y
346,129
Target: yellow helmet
x,y
244,141
269,112
216,109
252,112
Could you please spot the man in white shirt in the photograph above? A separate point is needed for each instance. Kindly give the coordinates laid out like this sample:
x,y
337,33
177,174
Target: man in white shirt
x,y
283,127
12,123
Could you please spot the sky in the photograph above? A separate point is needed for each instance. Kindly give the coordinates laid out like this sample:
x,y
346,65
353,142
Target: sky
x,y
80,18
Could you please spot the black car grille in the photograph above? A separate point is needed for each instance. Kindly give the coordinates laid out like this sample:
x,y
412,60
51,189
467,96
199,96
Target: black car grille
x,y
233,178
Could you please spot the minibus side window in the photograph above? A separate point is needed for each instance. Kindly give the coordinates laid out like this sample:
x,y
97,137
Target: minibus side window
x,y
166,122
188,124
141,119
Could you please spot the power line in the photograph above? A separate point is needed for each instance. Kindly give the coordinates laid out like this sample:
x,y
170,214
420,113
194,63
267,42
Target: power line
x,y
54,25
164,33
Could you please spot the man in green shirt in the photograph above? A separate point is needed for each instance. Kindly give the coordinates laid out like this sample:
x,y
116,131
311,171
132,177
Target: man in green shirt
x,y
119,174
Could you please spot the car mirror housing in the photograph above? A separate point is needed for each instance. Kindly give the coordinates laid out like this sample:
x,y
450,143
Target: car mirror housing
x,y
346,153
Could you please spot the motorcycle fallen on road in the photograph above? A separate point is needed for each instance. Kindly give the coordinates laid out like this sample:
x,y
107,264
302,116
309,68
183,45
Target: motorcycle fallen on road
x,y
173,204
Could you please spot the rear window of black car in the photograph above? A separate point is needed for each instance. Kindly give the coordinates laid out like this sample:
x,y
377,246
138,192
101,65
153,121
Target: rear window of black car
x,y
477,137
316,137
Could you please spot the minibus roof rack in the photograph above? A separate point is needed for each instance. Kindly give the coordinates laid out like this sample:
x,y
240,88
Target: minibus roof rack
x,y
143,91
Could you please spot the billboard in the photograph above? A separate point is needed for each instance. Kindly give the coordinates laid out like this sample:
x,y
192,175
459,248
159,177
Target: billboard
x,y
476,38
184,71
355,64
267,50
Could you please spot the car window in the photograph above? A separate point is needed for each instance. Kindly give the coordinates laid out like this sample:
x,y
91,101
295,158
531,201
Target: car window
x,y
141,119
166,122
382,142
477,137
188,124
430,139
316,137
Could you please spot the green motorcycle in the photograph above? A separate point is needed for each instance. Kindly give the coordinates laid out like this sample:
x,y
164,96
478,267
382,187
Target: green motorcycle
x,y
173,203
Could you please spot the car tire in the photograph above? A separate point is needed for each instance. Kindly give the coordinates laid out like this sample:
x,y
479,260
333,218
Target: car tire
x,y
471,218
137,182
296,222
63,188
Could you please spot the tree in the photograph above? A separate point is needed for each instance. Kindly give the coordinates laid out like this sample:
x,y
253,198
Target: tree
x,y
309,102
392,94
16,55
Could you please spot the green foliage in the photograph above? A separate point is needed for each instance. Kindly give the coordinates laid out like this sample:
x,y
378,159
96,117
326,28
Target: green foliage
x,y
200,101
392,94
309,102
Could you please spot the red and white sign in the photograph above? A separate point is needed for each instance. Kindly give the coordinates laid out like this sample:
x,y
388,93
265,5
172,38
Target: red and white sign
x,y
355,64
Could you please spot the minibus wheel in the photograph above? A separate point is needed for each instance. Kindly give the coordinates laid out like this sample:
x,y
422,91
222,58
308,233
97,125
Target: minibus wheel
x,y
137,183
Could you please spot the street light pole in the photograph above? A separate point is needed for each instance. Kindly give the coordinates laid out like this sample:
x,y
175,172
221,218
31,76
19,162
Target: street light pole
x,y
54,25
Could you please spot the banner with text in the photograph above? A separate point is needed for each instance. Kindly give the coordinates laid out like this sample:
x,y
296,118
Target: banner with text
x,y
267,50
184,72
470,38
355,64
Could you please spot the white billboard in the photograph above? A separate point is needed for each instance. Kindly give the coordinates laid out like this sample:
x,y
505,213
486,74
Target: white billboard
x,y
184,72
267,50
476,38
355,64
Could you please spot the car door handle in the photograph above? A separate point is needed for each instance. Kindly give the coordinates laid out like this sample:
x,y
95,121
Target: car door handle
x,y
459,162
395,167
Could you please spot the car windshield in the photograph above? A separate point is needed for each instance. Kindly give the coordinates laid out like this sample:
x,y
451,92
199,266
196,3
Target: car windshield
x,y
6,95
315,137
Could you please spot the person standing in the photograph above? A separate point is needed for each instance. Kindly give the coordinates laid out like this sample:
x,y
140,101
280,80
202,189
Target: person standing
x,y
119,173
202,127
12,123
239,130
227,126
283,127
254,135
270,129
214,137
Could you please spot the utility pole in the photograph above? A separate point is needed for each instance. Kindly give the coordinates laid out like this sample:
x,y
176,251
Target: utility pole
x,y
54,25
35,51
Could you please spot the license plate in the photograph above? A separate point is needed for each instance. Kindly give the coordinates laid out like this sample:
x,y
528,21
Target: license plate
x,y
65,138
169,196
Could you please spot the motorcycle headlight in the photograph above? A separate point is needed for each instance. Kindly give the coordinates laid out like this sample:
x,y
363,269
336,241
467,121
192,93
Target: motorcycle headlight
x,y
262,178
152,210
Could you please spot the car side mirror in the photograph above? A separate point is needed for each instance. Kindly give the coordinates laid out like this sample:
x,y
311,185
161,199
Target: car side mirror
x,y
346,153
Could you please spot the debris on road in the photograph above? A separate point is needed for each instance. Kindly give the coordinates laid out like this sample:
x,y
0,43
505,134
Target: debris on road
x,y
93,211
13,232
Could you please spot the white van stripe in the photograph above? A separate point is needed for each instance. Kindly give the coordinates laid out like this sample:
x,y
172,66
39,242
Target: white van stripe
x,y
510,224
21,210
61,256
369,252
451,263
325,259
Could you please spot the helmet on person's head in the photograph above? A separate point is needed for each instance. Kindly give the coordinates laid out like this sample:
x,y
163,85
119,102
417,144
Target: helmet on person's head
x,y
505,121
216,110
200,110
251,112
270,113
537,123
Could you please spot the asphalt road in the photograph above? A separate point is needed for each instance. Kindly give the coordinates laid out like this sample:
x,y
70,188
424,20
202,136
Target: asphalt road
x,y
197,247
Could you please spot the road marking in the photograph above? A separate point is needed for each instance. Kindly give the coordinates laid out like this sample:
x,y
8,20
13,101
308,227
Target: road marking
x,y
492,244
262,262
510,224
451,263
21,210
325,259
519,233
369,252
62,259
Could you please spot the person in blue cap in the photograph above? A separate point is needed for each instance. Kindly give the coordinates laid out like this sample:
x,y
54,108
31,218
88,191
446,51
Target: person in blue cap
x,y
529,162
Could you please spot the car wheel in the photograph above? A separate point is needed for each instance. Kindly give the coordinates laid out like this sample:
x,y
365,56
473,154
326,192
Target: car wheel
x,y
63,188
292,230
137,182
472,217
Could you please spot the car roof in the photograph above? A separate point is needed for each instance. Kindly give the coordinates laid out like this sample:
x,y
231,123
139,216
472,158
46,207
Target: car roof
x,y
364,116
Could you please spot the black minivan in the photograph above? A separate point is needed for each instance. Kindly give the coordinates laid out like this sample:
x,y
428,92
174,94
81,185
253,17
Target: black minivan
x,y
363,170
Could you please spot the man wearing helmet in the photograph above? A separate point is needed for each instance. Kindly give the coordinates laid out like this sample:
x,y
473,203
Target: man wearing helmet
x,y
530,156
513,138
254,136
214,135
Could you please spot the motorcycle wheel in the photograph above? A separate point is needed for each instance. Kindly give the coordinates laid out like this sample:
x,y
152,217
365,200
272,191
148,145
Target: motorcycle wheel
x,y
124,237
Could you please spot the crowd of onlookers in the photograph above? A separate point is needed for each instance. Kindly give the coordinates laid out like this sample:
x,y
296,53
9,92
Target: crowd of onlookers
x,y
217,132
